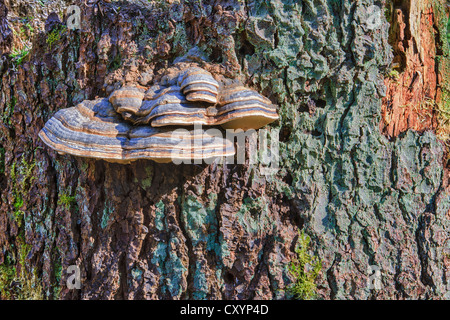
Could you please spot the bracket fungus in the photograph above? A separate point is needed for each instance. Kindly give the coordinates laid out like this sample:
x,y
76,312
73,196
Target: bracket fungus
x,y
93,129
138,123
195,97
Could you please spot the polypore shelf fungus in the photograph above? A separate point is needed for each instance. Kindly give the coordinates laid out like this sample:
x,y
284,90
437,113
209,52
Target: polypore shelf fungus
x,y
138,123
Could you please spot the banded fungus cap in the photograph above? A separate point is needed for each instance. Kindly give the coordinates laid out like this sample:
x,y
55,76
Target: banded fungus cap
x,y
198,85
93,129
127,99
181,114
160,100
244,108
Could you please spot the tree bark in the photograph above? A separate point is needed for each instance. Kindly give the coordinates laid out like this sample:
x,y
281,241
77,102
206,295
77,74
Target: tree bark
x,y
166,231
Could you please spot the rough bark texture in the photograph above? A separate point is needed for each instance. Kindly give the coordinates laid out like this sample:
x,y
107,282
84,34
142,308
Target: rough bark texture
x,y
162,231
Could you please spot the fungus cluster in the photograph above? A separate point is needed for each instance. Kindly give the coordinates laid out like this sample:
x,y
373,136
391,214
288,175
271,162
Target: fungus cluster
x,y
156,123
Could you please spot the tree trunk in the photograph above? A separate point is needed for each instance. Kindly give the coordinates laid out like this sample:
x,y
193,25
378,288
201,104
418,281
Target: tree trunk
x,y
165,231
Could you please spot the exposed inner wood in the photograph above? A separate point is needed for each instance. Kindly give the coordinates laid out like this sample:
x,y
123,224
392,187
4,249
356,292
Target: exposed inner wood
x,y
413,87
